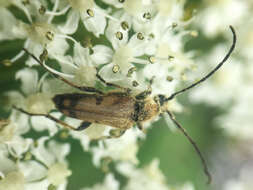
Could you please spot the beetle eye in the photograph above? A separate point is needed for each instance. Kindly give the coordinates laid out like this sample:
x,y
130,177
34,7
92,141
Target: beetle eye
x,y
162,99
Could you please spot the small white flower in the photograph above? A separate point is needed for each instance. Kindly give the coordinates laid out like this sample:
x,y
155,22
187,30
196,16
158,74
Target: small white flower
x,y
124,148
38,34
13,181
36,102
57,173
132,8
93,132
109,183
238,121
10,131
89,13
125,53
149,177
7,25
44,35
242,182
53,157
6,130
81,67
172,10
218,14
245,44
143,178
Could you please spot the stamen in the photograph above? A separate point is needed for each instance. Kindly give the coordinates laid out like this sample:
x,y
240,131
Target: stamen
x,y
124,25
171,58
131,71
171,27
115,68
44,55
64,134
52,187
62,12
87,43
27,156
169,78
50,35
152,59
119,35
90,12
151,36
140,36
135,83
174,25
147,15
105,164
194,33
6,62
42,10
183,76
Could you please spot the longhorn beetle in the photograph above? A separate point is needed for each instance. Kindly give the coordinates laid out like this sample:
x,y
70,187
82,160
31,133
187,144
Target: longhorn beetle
x,y
119,109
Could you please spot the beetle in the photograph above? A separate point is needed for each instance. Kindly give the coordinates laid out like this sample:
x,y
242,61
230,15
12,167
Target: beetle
x,y
120,110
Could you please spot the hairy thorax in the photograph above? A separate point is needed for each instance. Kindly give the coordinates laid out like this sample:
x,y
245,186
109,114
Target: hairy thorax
x,y
146,110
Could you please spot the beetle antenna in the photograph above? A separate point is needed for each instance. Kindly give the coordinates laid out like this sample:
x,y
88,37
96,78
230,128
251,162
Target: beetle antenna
x,y
172,117
213,71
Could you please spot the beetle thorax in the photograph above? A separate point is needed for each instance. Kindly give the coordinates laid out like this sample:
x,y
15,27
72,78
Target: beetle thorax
x,y
147,110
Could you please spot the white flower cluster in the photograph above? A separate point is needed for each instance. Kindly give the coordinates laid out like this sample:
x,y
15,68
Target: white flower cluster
x,y
142,40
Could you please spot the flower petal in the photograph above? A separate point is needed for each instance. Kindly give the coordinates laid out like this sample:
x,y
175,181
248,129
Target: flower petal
x,y
102,54
94,24
72,23
29,80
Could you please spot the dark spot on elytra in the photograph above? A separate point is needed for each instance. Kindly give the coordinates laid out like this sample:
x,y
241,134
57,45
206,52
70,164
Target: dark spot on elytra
x,y
72,113
58,100
66,100
99,100
138,106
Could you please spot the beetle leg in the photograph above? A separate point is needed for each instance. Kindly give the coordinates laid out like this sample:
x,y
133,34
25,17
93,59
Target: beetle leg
x,y
51,118
127,90
82,88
